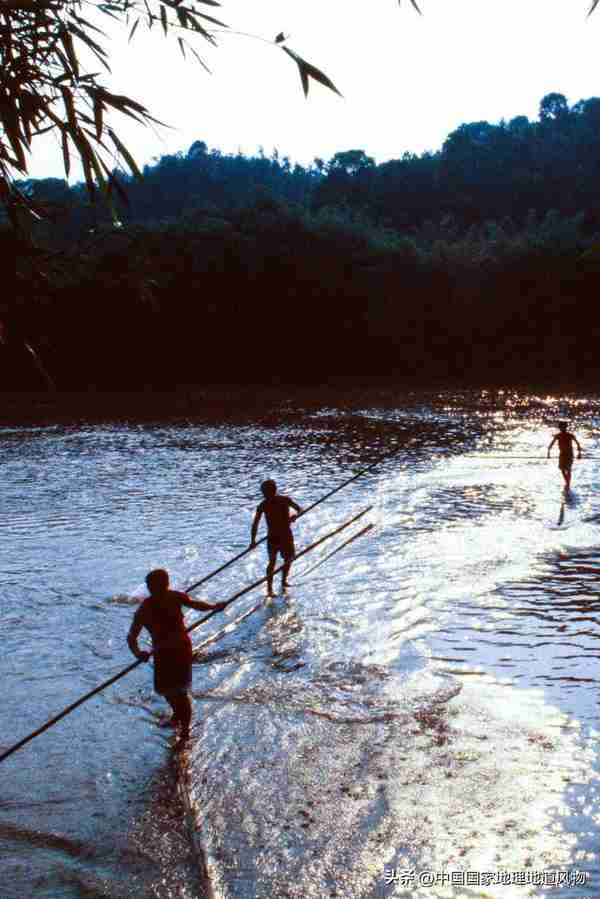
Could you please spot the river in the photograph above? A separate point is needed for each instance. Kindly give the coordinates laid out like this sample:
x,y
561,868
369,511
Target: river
x,y
416,717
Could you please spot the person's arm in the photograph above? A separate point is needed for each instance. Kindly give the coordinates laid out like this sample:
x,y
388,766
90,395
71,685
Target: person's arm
x,y
200,605
132,641
255,525
299,510
554,439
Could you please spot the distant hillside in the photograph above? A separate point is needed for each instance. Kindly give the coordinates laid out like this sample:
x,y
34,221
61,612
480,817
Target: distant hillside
x,y
483,172
478,263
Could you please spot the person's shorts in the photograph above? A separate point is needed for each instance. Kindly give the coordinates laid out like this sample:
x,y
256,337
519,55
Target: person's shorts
x,y
173,670
282,543
565,460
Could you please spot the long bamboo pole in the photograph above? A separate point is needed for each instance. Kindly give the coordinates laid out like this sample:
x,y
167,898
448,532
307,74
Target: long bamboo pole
x,y
304,512
70,708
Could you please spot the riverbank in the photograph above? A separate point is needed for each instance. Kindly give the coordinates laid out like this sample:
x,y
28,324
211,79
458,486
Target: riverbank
x,y
255,401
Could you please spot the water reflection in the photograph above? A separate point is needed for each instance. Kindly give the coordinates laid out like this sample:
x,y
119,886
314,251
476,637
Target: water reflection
x,y
431,689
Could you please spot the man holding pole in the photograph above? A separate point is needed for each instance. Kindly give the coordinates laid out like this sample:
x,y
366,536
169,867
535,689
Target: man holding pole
x,y
276,509
161,614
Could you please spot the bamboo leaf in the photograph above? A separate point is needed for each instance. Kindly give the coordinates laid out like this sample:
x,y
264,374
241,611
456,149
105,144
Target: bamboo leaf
x,y
102,60
10,125
114,181
87,174
196,26
414,4
202,63
280,38
69,106
92,134
98,112
109,10
149,13
85,118
593,6
98,173
309,71
176,3
126,155
304,80
87,40
87,24
44,130
67,42
181,46
65,152
28,109
65,77
163,18
132,32
10,159
54,118
119,101
87,153
64,62
132,115
213,21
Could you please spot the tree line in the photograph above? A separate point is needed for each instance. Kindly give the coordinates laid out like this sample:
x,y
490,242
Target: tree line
x,y
475,263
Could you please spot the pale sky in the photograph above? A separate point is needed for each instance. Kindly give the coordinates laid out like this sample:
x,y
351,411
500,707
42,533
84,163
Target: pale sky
x,y
407,80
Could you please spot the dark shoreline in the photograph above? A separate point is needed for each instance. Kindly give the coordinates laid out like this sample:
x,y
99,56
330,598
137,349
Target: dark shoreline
x,y
228,401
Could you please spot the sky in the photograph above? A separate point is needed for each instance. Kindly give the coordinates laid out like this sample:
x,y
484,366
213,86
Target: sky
x,y
407,80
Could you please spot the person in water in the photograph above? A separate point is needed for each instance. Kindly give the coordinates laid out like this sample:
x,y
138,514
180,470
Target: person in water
x,y
276,509
565,442
161,614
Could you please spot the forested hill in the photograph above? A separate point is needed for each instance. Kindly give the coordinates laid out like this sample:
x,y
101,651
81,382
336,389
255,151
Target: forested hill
x,y
478,261
483,172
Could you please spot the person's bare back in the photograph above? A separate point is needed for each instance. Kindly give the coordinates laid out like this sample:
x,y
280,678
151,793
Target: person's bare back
x,y
565,442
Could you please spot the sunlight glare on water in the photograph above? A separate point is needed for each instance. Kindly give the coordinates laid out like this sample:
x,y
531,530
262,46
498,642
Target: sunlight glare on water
x,y
423,699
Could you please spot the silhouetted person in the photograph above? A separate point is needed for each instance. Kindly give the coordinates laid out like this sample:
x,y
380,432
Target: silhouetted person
x,y
276,509
565,442
161,614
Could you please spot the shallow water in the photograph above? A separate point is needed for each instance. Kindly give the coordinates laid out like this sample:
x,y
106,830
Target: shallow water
x,y
455,645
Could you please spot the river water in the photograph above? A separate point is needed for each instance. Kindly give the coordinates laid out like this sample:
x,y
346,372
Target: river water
x,y
418,716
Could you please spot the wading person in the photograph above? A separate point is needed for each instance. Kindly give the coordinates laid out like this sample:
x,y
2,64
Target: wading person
x,y
276,509
565,442
161,614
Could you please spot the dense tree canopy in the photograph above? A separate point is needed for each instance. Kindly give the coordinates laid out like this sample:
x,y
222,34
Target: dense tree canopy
x,y
465,263
44,86
477,262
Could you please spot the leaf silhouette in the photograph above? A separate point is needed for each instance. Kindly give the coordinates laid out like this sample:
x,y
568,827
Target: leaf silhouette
x,y
202,63
65,152
67,42
414,4
307,70
125,154
98,114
